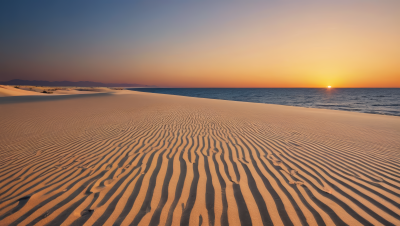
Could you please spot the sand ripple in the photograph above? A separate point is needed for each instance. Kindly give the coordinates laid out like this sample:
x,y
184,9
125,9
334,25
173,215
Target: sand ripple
x,y
149,159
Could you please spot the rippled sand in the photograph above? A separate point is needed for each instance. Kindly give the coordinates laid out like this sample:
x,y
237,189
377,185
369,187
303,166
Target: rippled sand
x,y
153,159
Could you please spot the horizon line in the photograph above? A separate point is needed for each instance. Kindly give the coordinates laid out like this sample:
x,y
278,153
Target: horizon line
x,y
268,87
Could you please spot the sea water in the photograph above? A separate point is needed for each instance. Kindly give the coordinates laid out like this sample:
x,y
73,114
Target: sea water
x,y
385,101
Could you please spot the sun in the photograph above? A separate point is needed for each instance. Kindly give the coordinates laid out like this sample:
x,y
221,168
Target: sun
x,y
329,87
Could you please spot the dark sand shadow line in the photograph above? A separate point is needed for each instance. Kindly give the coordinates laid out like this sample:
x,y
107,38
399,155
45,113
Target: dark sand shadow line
x,y
23,99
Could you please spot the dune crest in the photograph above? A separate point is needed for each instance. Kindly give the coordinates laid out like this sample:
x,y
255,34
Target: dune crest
x,y
152,159
6,91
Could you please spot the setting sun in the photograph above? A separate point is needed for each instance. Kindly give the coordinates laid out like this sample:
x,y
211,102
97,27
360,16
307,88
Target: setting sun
x,y
329,87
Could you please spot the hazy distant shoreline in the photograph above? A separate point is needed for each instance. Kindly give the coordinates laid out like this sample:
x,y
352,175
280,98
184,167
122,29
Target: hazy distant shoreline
x,y
69,83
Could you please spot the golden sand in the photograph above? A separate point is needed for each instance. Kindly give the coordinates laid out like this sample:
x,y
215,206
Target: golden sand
x,y
153,159
6,90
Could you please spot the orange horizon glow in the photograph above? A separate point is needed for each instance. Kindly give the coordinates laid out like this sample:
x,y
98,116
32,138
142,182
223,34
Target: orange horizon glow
x,y
310,44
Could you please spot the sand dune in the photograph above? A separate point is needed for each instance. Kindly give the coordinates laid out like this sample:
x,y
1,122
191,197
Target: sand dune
x,y
152,159
6,91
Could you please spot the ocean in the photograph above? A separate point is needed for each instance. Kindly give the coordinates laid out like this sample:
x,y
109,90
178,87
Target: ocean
x,y
384,101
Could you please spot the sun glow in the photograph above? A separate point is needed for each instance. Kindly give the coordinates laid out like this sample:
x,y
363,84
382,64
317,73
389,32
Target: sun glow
x,y
329,87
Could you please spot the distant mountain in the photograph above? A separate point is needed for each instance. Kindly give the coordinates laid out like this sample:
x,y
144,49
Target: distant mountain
x,y
68,83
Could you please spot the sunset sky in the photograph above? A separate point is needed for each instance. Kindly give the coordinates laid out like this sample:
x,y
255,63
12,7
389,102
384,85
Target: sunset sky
x,y
290,43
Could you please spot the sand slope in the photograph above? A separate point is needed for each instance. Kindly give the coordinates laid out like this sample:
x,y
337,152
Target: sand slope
x,y
6,91
152,159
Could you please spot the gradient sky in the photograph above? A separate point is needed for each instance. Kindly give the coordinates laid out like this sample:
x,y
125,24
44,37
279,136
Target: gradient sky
x,y
292,43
